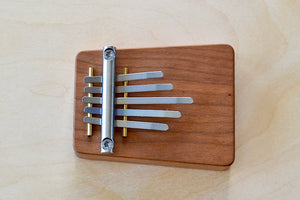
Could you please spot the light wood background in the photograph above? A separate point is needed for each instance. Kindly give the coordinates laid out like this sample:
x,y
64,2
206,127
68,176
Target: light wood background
x,y
39,41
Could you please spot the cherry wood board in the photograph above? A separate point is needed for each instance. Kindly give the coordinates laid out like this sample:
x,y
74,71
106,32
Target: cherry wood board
x,y
203,137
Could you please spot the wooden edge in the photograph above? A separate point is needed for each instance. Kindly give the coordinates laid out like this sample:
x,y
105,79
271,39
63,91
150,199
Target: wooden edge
x,y
153,162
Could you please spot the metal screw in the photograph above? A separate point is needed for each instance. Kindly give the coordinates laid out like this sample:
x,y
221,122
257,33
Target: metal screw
x,y
109,54
107,144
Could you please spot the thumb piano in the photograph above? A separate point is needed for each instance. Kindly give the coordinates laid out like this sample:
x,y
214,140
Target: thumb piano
x,y
171,106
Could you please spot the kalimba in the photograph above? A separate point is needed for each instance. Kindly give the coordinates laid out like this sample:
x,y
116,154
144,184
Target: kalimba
x,y
169,106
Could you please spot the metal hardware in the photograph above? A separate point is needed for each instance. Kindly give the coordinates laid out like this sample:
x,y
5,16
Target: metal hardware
x,y
132,88
108,98
125,105
141,100
90,126
130,124
136,112
127,77
108,101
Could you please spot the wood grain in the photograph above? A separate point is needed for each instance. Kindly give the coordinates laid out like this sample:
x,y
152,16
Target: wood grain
x,y
39,42
202,137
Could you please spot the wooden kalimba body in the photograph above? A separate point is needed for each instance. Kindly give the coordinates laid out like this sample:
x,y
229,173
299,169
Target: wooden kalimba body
x,y
194,91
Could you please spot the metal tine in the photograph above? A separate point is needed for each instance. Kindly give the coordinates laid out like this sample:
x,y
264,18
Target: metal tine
x,y
132,88
142,100
126,77
130,124
137,112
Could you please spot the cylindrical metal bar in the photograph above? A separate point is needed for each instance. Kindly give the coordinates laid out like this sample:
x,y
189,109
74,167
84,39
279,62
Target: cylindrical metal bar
x,y
90,126
108,96
125,105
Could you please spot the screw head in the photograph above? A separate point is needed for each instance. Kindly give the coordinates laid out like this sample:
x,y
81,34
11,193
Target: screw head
x,y
107,144
109,54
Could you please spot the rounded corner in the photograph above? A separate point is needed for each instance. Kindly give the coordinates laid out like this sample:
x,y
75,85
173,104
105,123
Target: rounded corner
x,y
230,161
230,48
79,54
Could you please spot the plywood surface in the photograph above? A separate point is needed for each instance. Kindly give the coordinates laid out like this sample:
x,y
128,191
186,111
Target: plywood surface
x,y
202,137
39,41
